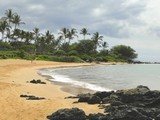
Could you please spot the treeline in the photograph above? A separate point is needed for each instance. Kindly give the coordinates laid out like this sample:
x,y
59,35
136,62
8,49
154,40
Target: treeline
x,y
20,43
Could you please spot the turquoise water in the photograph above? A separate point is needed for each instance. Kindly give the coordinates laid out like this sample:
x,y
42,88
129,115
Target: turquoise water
x,y
110,77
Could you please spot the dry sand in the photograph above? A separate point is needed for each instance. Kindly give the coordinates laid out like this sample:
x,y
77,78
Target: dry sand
x,y
14,75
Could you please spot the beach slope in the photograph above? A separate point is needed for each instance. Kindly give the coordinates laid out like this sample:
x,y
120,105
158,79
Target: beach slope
x,y
14,75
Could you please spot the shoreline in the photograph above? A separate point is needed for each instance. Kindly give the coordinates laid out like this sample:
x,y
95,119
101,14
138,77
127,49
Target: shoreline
x,y
13,83
72,90
69,88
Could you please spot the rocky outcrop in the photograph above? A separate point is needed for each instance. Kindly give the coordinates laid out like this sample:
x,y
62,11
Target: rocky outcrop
x,y
68,114
94,100
134,104
37,82
31,97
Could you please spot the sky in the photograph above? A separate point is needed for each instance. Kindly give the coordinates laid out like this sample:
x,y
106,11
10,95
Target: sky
x,y
135,23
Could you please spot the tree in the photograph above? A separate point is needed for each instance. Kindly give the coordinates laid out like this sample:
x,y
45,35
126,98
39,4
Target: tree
x,y
84,32
97,39
64,33
41,44
36,35
124,52
3,27
17,20
85,47
49,37
28,36
104,45
17,33
71,34
9,15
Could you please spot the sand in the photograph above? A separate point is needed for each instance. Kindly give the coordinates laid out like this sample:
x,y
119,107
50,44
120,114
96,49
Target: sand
x,y
14,75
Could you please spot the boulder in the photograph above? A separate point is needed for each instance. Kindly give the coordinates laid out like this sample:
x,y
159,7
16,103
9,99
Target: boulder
x,y
68,114
154,103
158,117
103,94
124,112
84,97
37,81
106,100
117,103
94,100
97,116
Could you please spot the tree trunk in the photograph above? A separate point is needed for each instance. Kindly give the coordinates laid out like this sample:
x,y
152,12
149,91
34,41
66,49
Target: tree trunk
x,y
15,27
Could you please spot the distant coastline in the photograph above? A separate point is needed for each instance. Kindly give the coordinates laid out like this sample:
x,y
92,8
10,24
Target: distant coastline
x,y
140,62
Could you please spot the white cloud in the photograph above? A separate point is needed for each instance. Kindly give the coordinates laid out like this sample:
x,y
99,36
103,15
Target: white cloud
x,y
130,22
36,7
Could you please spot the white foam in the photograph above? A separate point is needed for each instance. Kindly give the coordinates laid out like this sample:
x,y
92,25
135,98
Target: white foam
x,y
65,79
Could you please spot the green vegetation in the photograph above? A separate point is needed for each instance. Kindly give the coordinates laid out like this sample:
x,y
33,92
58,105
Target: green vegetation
x,y
20,43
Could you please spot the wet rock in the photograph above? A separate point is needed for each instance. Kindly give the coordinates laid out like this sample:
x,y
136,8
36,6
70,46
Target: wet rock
x,y
23,95
84,97
31,97
106,100
117,103
71,97
37,81
139,103
139,90
124,112
98,116
68,114
154,103
94,100
34,98
158,117
103,95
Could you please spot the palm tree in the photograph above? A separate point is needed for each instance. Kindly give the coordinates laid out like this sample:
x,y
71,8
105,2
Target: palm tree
x,y
49,37
17,33
71,34
84,32
104,45
17,20
97,39
22,34
3,27
36,32
9,15
41,44
64,33
36,36
28,37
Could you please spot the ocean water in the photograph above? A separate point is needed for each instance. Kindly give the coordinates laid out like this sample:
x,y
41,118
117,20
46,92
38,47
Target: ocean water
x,y
108,77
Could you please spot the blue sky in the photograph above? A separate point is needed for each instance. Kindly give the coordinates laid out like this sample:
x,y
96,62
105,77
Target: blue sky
x,y
130,22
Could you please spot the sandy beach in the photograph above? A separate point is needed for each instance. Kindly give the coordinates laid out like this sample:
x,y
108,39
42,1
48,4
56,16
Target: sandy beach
x,y
14,75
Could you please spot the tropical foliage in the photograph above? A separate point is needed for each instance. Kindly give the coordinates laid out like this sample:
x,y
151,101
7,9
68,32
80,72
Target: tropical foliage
x,y
70,44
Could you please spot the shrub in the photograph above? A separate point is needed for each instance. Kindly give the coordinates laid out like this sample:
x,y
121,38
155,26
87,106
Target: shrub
x,y
5,46
103,52
22,54
100,59
67,59
8,54
44,57
124,52
59,58
60,52
73,53
86,58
